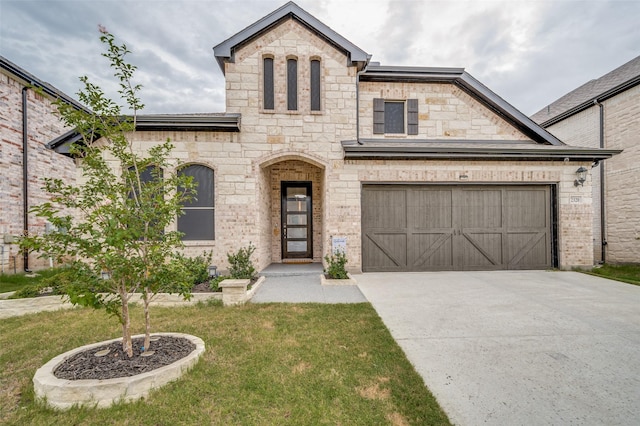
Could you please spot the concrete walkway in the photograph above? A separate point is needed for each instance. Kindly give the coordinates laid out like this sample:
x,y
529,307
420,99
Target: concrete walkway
x,y
518,348
18,307
301,284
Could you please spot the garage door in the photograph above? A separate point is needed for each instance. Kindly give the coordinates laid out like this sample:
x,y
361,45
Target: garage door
x,y
430,228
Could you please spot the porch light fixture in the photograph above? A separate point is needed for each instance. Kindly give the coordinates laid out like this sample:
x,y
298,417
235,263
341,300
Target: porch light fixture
x,y
582,176
105,275
213,271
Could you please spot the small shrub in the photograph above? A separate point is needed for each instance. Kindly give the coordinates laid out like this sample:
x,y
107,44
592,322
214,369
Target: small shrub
x,y
214,283
335,269
198,267
240,264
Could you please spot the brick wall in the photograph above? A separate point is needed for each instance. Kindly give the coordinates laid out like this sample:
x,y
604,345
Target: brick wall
x,y
43,126
622,202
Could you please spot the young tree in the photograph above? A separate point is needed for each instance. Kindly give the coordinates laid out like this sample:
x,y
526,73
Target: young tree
x,y
113,223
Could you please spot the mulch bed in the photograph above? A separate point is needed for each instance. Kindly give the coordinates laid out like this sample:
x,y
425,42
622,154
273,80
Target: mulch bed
x,y
85,365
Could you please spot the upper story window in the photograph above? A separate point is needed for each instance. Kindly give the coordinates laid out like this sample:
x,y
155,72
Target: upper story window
x,y
292,84
197,222
315,85
391,116
268,90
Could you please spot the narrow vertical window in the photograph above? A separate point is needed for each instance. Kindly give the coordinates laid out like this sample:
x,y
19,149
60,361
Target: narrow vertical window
x,y
315,85
292,84
197,222
268,83
394,117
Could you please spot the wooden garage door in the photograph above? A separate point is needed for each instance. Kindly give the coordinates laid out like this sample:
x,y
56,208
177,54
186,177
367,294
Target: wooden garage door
x,y
430,228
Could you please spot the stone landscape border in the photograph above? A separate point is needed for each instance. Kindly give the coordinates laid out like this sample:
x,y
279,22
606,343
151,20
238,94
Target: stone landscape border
x,y
348,281
64,394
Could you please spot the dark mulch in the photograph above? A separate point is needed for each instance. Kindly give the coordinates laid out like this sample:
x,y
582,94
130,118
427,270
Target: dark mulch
x,y
85,365
201,288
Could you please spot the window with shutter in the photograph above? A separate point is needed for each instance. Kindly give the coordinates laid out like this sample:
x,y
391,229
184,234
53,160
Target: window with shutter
x,y
389,116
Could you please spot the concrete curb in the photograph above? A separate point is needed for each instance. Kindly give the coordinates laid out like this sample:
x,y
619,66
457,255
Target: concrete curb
x,y
348,281
63,394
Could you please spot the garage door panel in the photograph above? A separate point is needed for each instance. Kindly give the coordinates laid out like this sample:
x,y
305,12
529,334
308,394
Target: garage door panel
x,y
423,227
481,208
432,250
430,208
481,250
386,208
385,251
528,250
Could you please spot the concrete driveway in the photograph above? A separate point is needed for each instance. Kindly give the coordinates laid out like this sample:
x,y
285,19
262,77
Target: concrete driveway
x,y
518,348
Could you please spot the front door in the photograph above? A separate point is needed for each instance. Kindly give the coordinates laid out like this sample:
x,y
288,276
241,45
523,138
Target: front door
x,y
296,220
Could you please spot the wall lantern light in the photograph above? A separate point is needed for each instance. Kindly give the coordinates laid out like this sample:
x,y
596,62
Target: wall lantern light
x,y
213,271
582,176
105,275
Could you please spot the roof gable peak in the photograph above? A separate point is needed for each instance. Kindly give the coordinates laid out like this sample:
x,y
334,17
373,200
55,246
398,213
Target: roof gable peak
x,y
224,52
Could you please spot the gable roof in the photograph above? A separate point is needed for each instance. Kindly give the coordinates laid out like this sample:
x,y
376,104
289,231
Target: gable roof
x,y
600,89
31,80
466,82
224,52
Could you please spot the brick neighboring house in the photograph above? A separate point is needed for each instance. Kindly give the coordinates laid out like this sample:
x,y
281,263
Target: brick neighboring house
x,y
27,118
408,168
605,113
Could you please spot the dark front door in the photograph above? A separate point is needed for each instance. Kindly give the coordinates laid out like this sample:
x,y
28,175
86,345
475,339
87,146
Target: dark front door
x,y
296,220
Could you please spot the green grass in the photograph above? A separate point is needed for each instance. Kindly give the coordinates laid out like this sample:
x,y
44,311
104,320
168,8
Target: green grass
x,y
273,364
629,273
13,282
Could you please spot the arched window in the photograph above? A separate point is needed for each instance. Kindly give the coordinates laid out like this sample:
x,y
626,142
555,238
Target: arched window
x,y
292,84
197,222
268,93
315,85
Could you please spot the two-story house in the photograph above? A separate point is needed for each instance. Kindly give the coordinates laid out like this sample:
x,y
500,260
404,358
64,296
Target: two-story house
x,y
409,168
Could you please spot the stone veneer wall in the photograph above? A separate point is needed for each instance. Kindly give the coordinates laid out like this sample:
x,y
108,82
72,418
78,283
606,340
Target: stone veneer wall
x,y
622,200
43,126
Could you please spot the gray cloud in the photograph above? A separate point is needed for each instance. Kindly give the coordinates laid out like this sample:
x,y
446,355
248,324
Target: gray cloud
x,y
530,53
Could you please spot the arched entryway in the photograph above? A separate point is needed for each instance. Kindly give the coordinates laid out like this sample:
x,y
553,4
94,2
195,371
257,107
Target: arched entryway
x,y
292,193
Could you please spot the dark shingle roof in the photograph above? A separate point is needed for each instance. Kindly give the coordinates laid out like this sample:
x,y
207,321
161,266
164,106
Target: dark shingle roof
x,y
225,51
610,84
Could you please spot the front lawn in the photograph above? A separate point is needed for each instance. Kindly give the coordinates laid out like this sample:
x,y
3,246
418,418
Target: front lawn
x,y
626,273
14,282
274,364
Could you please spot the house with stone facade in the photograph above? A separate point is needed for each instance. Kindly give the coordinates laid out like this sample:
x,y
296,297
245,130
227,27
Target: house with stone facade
x,y
403,168
28,121
605,113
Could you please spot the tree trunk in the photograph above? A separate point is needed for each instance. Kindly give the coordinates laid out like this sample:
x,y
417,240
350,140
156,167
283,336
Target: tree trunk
x,y
127,346
147,319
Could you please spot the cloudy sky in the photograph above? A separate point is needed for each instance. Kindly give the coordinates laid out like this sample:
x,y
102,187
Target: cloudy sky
x,y
529,52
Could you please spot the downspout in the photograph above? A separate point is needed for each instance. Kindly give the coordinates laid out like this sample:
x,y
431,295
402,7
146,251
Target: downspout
x,y
358,104
603,239
25,175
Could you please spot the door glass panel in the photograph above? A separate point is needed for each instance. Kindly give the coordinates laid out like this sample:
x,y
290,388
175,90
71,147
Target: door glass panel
x,y
296,246
297,232
297,206
296,219
296,192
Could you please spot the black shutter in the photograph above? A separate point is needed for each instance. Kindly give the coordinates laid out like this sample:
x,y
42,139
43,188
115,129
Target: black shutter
x,y
378,116
412,116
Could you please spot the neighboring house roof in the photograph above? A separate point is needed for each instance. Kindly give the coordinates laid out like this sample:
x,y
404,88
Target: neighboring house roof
x,y
30,79
220,122
224,52
466,82
598,90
